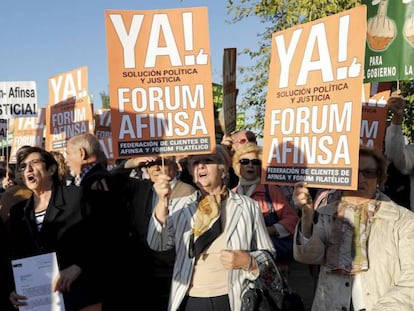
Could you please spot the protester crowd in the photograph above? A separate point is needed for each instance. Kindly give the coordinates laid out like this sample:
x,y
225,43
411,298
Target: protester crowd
x,y
183,233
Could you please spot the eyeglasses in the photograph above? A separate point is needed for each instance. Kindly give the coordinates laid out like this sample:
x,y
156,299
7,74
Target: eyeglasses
x,y
256,162
369,173
241,141
30,163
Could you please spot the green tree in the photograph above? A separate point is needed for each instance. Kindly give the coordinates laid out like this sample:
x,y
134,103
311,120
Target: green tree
x,y
105,100
407,90
277,15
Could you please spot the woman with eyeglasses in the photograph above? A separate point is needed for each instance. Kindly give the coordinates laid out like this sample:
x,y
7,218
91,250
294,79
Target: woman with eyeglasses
x,y
363,242
219,238
54,219
280,218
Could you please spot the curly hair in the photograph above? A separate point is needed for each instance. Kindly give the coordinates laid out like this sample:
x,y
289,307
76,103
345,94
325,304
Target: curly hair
x,y
248,147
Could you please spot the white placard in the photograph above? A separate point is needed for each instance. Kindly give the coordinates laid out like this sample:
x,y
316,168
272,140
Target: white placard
x,y
18,99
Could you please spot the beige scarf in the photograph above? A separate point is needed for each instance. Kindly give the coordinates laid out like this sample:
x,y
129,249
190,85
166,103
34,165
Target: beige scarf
x,y
207,222
347,248
208,211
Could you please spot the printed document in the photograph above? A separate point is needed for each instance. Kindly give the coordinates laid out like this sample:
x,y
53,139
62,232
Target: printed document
x,y
34,277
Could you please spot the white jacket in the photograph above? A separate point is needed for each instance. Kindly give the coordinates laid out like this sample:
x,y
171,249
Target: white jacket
x,y
389,282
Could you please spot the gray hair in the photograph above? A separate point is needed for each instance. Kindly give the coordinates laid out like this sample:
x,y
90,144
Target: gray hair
x,y
89,142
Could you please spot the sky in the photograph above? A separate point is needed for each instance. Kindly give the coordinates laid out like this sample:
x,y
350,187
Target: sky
x,y
40,39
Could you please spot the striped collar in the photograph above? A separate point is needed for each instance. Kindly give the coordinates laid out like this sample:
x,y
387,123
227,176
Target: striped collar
x,y
86,170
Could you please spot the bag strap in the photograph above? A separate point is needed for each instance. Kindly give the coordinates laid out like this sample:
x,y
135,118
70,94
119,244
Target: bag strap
x,y
269,201
283,280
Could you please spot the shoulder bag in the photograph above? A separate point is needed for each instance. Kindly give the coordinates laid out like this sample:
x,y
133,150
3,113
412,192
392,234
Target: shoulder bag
x,y
270,292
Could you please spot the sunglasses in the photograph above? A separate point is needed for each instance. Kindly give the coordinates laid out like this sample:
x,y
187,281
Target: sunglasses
x,y
369,173
30,163
256,162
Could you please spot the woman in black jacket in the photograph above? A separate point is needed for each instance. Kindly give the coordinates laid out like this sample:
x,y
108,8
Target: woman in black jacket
x,y
56,219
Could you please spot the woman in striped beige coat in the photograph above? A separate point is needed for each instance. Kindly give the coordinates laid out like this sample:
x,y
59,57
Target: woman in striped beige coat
x,y
219,236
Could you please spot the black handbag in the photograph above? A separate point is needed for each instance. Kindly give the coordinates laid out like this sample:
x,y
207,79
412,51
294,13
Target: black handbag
x,y
270,292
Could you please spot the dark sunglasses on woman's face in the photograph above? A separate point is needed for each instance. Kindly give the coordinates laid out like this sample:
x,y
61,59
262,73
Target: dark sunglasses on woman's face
x,y
253,162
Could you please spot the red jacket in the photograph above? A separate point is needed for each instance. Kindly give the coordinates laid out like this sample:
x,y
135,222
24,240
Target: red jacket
x,y
288,217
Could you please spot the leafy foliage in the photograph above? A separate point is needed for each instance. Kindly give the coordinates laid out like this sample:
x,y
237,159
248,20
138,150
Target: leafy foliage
x,y
105,100
407,90
277,15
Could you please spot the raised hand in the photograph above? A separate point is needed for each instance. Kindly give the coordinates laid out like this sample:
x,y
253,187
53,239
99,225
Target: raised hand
x,y
396,104
303,200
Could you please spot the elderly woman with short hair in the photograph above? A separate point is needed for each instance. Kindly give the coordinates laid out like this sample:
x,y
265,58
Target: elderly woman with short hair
x,y
363,242
219,237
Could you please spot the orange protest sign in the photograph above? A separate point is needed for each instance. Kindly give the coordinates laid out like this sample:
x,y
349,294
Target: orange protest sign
x,y
27,131
103,123
69,112
160,82
103,132
65,120
106,145
313,108
374,114
70,84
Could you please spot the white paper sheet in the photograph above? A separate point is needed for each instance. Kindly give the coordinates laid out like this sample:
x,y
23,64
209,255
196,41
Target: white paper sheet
x,y
33,277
